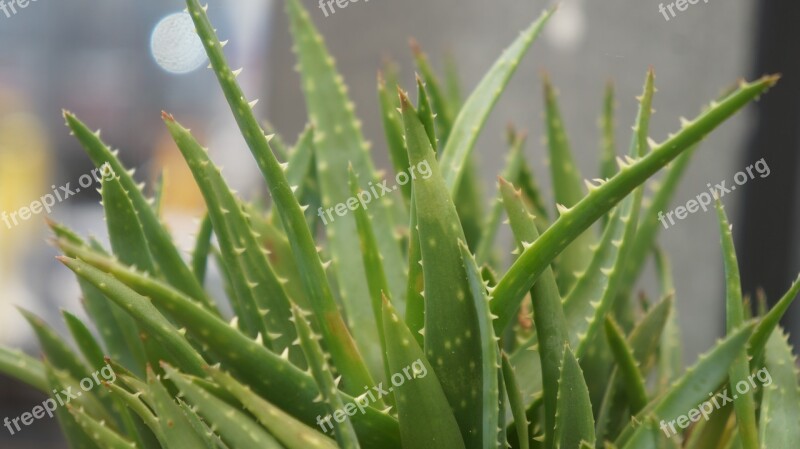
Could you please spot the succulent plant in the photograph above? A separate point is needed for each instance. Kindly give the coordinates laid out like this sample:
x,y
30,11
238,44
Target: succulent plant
x,y
396,329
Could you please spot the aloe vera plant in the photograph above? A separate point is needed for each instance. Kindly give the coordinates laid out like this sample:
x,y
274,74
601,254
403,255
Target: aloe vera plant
x,y
398,329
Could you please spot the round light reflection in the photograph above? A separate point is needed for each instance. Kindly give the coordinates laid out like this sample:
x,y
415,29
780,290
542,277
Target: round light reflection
x,y
175,45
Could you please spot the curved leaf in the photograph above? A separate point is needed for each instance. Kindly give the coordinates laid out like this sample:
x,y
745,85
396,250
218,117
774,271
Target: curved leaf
x,y
523,273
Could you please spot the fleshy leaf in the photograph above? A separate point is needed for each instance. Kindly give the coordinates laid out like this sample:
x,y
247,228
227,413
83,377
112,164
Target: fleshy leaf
x,y
176,428
687,392
490,353
426,419
511,173
159,241
236,428
393,129
548,313
516,404
631,375
346,356
142,310
567,189
780,406
202,249
99,432
477,107
744,403
23,367
574,422
450,318
322,373
526,269
259,290
338,141
268,374
291,433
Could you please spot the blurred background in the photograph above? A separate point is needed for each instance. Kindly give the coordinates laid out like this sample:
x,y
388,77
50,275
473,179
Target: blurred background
x,y
117,64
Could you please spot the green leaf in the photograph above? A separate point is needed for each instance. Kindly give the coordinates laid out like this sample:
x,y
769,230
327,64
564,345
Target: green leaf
x,y
452,83
622,229
278,143
20,366
99,432
75,436
211,440
338,141
290,432
258,288
341,345
744,403
280,256
574,422
134,401
650,225
450,318
141,309
644,341
608,151
55,349
415,301
159,241
631,376
301,160
202,248
443,110
526,269
469,203
670,354
129,244
426,419
532,192
490,354
617,240
373,262
686,393
780,406
511,172
713,433
175,426
235,428
551,325
770,321
516,403
128,241
425,113
117,329
91,350
321,370
302,172
477,107
159,192
567,189
393,129
270,375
